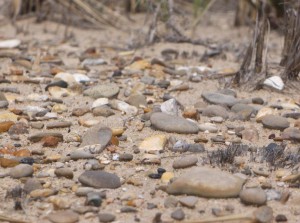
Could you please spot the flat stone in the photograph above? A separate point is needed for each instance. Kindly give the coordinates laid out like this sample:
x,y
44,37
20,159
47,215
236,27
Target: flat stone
x,y
215,110
39,136
106,217
170,107
99,179
241,107
102,91
81,154
291,133
97,135
21,170
275,122
210,127
253,196
64,172
169,123
207,182
80,111
188,201
103,110
153,144
100,102
43,192
58,124
220,99
65,216
263,112
185,162
124,107
137,100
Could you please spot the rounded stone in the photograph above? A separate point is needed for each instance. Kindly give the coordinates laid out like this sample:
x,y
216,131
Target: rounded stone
x,y
67,216
64,172
106,217
215,110
99,179
275,122
185,162
253,196
170,123
207,182
178,214
102,91
220,99
22,170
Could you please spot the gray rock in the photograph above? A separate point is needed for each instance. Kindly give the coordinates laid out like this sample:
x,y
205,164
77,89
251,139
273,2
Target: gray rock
x,y
253,196
207,182
93,199
4,104
2,96
291,133
169,123
210,127
196,148
64,172
137,100
65,216
227,91
103,110
241,107
97,135
106,217
185,162
275,122
32,184
178,214
21,170
102,91
99,179
147,80
215,110
125,157
81,154
188,201
258,101
220,99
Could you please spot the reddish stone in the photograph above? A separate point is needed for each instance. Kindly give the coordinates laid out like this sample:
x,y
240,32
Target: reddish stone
x,y
50,141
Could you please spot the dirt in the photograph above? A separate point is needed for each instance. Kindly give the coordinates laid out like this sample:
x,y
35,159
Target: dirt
x,y
47,37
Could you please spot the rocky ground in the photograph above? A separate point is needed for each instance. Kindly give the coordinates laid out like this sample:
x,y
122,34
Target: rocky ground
x,y
158,141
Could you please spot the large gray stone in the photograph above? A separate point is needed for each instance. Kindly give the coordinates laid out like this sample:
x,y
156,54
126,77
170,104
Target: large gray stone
x,y
275,122
170,123
220,99
99,179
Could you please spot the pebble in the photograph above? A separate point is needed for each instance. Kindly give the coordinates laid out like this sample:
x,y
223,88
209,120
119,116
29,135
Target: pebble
x,y
103,110
97,135
18,128
275,122
80,111
166,177
59,108
102,91
169,123
210,127
264,214
39,136
100,102
220,99
137,100
65,216
281,218
291,133
40,193
93,199
185,162
64,172
207,182
81,154
178,214
124,107
188,201
125,157
37,125
253,196
106,217
50,141
5,126
195,148
99,179
59,124
153,144
21,170
170,107
215,110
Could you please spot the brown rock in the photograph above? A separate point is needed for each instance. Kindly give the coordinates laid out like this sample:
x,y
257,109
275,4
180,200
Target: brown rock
x,y
4,126
22,153
80,111
5,163
50,141
191,113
